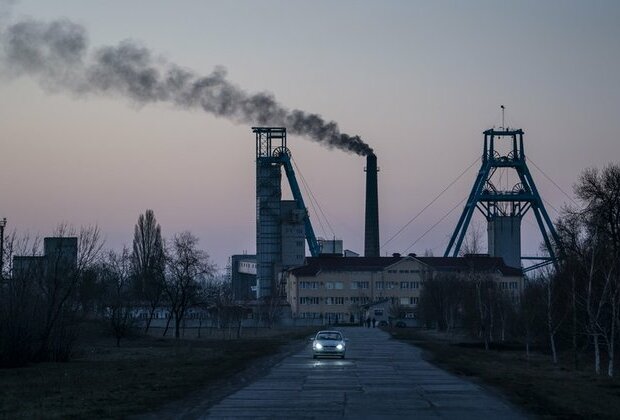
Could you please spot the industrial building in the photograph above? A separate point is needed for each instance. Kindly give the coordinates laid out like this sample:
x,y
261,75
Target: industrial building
x,y
282,226
243,267
333,284
243,277
59,257
336,288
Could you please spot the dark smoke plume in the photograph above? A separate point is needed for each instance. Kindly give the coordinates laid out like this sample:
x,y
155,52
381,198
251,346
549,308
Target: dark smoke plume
x,y
57,55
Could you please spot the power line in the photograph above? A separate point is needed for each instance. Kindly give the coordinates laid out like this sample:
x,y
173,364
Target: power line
x,y
312,197
435,225
429,204
305,187
553,182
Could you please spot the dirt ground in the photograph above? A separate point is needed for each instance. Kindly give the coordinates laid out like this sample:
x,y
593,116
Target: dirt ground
x,y
146,372
535,384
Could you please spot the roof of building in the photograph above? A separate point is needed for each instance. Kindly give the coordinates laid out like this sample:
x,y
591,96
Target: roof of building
x,y
331,263
459,264
476,263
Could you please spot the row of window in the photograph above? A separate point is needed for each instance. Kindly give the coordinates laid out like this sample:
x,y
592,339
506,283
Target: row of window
x,y
513,285
359,299
409,301
403,271
355,285
341,300
310,315
247,265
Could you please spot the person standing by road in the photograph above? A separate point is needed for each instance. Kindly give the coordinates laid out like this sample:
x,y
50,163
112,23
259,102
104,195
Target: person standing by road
x,y
374,321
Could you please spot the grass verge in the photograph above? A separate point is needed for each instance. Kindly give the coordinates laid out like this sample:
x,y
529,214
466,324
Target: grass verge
x,y
104,381
535,384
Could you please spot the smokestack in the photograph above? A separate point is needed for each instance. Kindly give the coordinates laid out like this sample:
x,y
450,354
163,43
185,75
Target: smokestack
x,y
371,236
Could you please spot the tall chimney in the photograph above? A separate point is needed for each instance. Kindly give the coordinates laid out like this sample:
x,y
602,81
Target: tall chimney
x,y
371,236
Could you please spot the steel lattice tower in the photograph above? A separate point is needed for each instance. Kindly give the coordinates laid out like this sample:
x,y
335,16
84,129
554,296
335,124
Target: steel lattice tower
x,y
504,209
272,155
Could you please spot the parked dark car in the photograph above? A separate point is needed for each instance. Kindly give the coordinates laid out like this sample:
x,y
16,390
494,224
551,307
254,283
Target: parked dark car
x,y
401,324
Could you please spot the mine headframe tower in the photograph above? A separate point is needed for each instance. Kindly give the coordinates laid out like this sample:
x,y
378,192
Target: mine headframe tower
x,y
271,155
504,209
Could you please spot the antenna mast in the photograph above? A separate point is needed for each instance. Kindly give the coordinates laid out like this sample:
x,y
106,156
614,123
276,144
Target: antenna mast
x,y
503,110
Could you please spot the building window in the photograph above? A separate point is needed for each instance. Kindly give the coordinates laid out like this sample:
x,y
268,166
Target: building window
x,y
308,300
332,300
360,285
338,285
380,285
404,301
414,300
404,285
309,315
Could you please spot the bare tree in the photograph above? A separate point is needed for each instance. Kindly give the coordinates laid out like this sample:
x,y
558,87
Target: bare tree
x,y
473,240
116,272
600,190
148,263
186,267
441,300
270,307
556,313
59,286
396,310
20,304
590,246
530,319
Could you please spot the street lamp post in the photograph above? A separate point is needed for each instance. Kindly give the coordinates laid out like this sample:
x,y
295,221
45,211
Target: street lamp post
x,y
2,225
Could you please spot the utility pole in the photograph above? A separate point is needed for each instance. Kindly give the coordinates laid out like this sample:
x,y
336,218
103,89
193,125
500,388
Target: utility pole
x,y
2,225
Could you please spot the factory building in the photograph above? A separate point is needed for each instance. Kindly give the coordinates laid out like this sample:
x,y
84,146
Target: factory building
x,y
243,277
335,288
243,267
59,258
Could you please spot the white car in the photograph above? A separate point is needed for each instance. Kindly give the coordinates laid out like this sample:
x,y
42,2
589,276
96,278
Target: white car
x,y
328,343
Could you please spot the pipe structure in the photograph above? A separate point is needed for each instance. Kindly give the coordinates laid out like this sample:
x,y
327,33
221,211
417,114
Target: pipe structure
x,y
371,234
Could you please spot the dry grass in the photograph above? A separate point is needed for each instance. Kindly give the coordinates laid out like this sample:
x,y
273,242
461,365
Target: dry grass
x,y
103,381
535,384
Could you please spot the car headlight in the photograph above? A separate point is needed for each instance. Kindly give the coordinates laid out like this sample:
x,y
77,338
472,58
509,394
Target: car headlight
x,y
340,346
318,346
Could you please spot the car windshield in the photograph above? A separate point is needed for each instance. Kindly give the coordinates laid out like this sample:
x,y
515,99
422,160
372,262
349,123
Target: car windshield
x,y
329,336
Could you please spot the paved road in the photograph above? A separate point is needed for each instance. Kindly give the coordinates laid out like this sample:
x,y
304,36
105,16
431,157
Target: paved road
x,y
380,378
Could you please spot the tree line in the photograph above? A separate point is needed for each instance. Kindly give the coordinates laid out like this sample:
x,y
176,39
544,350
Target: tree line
x,y
45,301
571,310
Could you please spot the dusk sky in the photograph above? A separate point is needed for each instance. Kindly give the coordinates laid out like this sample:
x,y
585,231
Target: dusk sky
x,y
418,81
